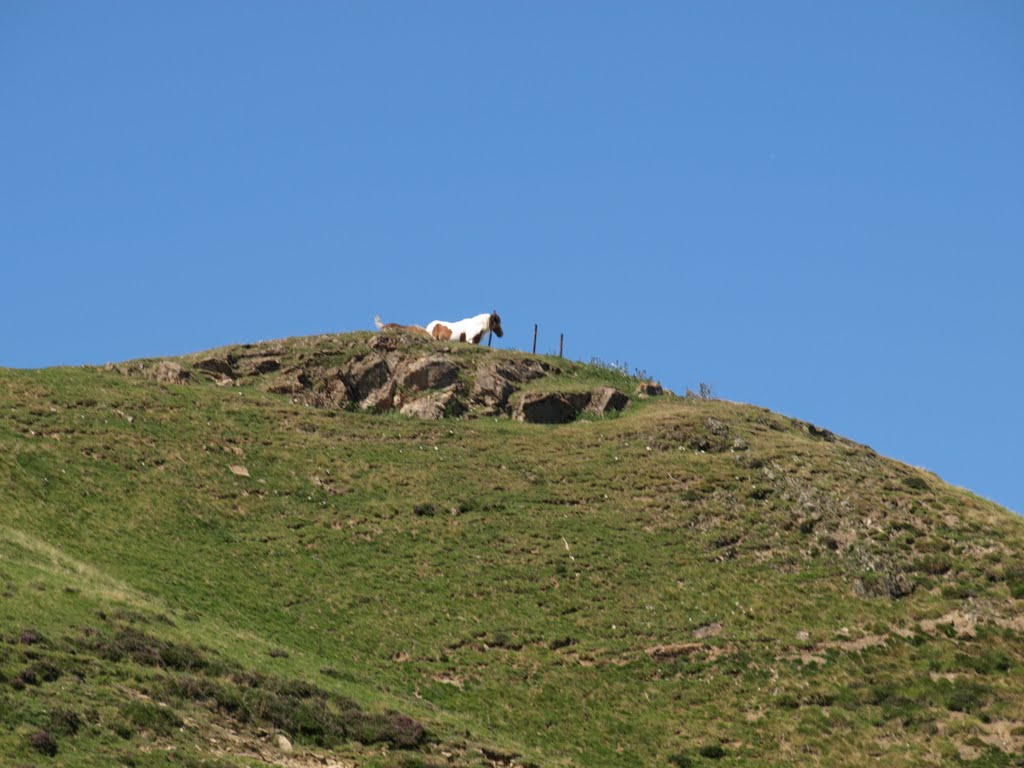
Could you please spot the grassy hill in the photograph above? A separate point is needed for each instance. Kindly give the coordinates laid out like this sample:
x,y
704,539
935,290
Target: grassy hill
x,y
193,572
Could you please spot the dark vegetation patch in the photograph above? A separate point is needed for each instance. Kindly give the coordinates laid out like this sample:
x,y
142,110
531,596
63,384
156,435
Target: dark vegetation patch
x,y
148,716
915,483
297,707
1014,577
712,751
43,742
30,637
183,676
65,722
145,649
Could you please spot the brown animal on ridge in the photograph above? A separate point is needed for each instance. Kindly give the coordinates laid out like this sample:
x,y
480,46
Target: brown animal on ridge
x,y
396,327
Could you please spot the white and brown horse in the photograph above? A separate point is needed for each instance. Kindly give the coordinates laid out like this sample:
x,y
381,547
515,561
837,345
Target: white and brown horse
x,y
472,329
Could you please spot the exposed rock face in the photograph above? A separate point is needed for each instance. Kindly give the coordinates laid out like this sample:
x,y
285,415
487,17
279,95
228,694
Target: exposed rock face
x,y
256,366
219,366
380,399
364,376
413,374
294,382
435,406
606,400
434,372
169,372
649,389
497,380
550,407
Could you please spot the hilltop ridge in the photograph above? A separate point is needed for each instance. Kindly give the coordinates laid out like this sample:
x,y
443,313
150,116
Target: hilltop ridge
x,y
402,371
248,556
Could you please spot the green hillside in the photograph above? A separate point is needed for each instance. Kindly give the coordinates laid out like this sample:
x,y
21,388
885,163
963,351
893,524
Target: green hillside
x,y
203,558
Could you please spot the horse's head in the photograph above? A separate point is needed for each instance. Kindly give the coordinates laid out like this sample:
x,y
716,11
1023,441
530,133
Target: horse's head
x,y
494,324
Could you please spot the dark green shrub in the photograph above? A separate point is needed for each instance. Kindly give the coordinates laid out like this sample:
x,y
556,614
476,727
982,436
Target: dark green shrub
x,y
30,637
915,483
966,696
712,751
42,741
1014,576
66,722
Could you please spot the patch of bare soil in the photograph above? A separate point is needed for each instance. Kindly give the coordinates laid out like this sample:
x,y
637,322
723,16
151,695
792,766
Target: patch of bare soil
x,y
963,623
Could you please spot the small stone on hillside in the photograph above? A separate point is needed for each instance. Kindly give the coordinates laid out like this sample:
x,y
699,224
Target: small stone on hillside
x,y
169,372
238,469
551,407
220,366
607,399
282,743
708,630
434,407
649,389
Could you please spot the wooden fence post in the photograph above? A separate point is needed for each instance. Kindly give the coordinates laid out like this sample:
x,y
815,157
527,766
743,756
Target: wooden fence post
x,y
535,338
561,340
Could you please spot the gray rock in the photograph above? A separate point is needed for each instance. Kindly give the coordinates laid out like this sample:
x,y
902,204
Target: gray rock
x,y
434,407
551,407
293,382
364,375
606,400
495,381
434,372
255,366
649,389
169,372
218,366
380,399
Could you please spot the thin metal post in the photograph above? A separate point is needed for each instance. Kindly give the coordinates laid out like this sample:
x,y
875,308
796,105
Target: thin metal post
x,y
535,338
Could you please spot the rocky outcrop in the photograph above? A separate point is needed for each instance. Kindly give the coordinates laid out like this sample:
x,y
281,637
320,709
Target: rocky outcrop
x,y
217,366
416,376
649,389
434,372
435,406
169,372
607,400
496,380
365,376
550,407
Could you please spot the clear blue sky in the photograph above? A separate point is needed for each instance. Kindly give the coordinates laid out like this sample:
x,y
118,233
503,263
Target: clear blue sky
x,y
813,206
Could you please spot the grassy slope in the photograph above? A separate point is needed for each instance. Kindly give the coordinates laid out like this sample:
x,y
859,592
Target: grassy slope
x,y
598,594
